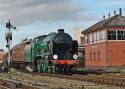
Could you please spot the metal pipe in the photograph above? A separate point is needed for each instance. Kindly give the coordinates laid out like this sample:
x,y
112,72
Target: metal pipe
x,y
106,48
8,25
120,11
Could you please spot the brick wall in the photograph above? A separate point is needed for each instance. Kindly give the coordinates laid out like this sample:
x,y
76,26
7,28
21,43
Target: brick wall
x,y
95,61
116,53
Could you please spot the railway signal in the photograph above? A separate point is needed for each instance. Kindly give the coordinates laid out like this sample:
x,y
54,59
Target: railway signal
x,y
8,37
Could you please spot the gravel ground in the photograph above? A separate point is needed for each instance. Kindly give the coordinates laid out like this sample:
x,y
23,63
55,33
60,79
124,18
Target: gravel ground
x,y
56,83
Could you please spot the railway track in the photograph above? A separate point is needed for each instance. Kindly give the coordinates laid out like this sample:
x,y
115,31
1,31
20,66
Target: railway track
x,y
14,81
96,77
14,84
108,79
3,87
100,78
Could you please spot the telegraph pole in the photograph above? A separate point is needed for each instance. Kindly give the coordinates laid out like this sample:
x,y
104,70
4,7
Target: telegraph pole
x,y
8,36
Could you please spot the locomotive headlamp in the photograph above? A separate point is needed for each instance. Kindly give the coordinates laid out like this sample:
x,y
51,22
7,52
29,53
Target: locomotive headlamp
x,y
55,56
75,56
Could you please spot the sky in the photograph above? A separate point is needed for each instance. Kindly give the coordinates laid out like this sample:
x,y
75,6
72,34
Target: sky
x,y
37,17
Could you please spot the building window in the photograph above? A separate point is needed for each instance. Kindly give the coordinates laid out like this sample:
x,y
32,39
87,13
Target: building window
x,y
94,56
87,38
116,35
92,38
90,56
95,37
103,34
120,35
112,35
99,56
100,35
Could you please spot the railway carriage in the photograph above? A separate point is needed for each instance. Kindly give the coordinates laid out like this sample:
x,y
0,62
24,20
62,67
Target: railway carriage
x,y
3,61
17,54
1,55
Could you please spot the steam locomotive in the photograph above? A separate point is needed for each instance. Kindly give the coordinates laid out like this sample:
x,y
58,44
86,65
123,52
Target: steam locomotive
x,y
52,53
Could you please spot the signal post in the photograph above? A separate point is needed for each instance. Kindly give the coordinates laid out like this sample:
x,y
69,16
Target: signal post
x,y
8,37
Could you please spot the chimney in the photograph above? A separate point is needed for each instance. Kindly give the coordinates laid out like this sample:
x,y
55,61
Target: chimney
x,y
120,11
104,17
109,15
60,31
114,12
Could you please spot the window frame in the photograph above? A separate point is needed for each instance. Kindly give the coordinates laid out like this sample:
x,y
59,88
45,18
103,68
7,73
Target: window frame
x,y
112,35
94,56
90,56
119,35
99,55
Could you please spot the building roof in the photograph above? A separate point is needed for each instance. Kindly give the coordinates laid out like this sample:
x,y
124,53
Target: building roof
x,y
117,20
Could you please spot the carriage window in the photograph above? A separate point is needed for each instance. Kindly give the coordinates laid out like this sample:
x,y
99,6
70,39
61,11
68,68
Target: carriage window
x,y
112,35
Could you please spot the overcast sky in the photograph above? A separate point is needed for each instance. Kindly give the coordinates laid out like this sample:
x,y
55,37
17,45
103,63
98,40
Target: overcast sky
x,y
35,17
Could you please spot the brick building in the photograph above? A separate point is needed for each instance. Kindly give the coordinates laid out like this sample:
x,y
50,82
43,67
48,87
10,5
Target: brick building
x,y
105,42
